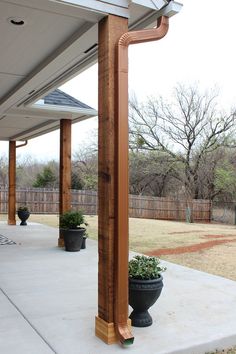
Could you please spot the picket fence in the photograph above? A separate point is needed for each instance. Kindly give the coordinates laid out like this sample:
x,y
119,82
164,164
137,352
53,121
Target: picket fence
x,y
46,201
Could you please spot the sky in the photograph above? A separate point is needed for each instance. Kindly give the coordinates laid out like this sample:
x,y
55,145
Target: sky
x,y
199,48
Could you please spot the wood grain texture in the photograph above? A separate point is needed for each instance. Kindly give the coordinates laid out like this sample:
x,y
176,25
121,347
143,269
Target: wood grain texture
x,y
12,184
110,30
106,331
65,170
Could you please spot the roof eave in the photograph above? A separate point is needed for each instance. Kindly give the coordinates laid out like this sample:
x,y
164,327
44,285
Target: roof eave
x,y
49,108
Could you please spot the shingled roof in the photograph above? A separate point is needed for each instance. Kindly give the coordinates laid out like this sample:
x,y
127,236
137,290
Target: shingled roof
x,y
60,98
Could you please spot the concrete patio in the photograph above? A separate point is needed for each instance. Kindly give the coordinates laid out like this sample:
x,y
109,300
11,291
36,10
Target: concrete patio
x,y
48,302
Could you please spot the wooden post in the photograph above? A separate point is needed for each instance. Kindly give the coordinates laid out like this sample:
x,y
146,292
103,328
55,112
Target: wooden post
x,y
12,184
65,170
110,30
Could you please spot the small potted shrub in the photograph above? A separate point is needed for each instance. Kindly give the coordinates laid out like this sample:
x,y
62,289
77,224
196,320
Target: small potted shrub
x,y
145,286
72,231
85,236
23,214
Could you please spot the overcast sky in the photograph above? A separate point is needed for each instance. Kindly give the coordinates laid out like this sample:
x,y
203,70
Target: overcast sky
x,y
199,48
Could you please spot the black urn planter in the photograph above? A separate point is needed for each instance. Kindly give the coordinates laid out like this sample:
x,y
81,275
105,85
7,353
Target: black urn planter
x,y
23,215
73,239
83,246
142,295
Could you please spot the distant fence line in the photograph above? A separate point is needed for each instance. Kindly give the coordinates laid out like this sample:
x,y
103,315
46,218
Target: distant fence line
x,y
41,201
224,212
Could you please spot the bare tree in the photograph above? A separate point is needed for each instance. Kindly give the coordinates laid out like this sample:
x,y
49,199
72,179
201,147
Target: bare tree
x,y
85,168
188,129
152,173
3,170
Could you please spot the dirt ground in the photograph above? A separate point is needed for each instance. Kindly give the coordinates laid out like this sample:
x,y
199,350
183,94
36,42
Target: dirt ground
x,y
226,351
207,247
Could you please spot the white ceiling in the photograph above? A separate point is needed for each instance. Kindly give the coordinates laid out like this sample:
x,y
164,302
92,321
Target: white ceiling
x,y
57,41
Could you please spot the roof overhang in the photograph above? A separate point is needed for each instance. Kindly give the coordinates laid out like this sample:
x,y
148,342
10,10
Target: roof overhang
x,y
57,40
39,119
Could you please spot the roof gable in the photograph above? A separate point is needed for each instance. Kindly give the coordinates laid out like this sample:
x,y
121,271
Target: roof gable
x,y
60,98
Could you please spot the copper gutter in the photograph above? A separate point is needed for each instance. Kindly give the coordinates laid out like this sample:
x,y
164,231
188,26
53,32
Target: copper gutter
x,y
23,144
122,228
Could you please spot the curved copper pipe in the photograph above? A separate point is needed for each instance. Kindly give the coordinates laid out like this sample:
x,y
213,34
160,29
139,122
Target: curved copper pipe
x,y
122,243
24,144
146,35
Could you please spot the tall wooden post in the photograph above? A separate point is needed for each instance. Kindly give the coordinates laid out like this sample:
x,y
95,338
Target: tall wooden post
x,y
65,170
110,30
12,184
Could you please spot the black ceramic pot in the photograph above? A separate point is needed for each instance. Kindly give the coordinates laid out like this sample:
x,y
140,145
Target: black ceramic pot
x,y
23,215
142,295
73,239
83,246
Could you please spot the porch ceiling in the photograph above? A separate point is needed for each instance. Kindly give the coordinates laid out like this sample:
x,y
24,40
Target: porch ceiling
x,y
57,40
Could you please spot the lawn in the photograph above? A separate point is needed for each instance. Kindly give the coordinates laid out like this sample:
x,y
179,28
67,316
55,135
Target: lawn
x,y
207,247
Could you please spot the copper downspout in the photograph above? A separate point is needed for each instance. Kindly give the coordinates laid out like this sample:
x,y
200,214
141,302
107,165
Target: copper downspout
x,y
121,277
23,144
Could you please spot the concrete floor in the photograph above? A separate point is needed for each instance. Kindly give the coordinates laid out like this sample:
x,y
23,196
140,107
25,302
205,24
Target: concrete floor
x,y
48,302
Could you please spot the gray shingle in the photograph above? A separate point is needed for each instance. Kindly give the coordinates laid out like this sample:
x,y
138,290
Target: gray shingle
x,y
61,98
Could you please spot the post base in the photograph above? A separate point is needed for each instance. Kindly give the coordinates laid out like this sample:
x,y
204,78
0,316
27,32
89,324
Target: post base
x,y
11,222
106,331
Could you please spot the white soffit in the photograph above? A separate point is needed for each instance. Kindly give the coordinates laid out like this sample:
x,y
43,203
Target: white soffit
x,y
115,7
57,40
152,4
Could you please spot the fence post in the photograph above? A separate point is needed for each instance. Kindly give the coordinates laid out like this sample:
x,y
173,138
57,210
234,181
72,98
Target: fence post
x,y
188,215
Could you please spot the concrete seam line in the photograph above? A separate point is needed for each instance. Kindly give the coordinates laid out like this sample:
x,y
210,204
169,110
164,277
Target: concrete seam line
x,y
26,319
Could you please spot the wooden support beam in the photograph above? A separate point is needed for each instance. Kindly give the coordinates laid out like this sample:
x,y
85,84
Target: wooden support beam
x,y
12,184
65,170
110,30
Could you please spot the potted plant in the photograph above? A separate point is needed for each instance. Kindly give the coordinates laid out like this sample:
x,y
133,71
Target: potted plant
x,y
145,286
23,214
71,230
85,236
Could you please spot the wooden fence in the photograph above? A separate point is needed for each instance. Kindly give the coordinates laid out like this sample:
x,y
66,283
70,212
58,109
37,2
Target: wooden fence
x,y
196,210
41,201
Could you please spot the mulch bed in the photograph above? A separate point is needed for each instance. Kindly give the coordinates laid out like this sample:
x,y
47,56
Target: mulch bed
x,y
183,232
188,249
218,236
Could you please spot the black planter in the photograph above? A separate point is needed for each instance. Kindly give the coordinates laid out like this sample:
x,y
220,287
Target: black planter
x,y
142,295
23,215
73,239
83,246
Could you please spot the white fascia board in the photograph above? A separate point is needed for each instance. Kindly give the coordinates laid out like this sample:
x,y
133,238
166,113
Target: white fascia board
x,y
38,113
54,112
64,109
